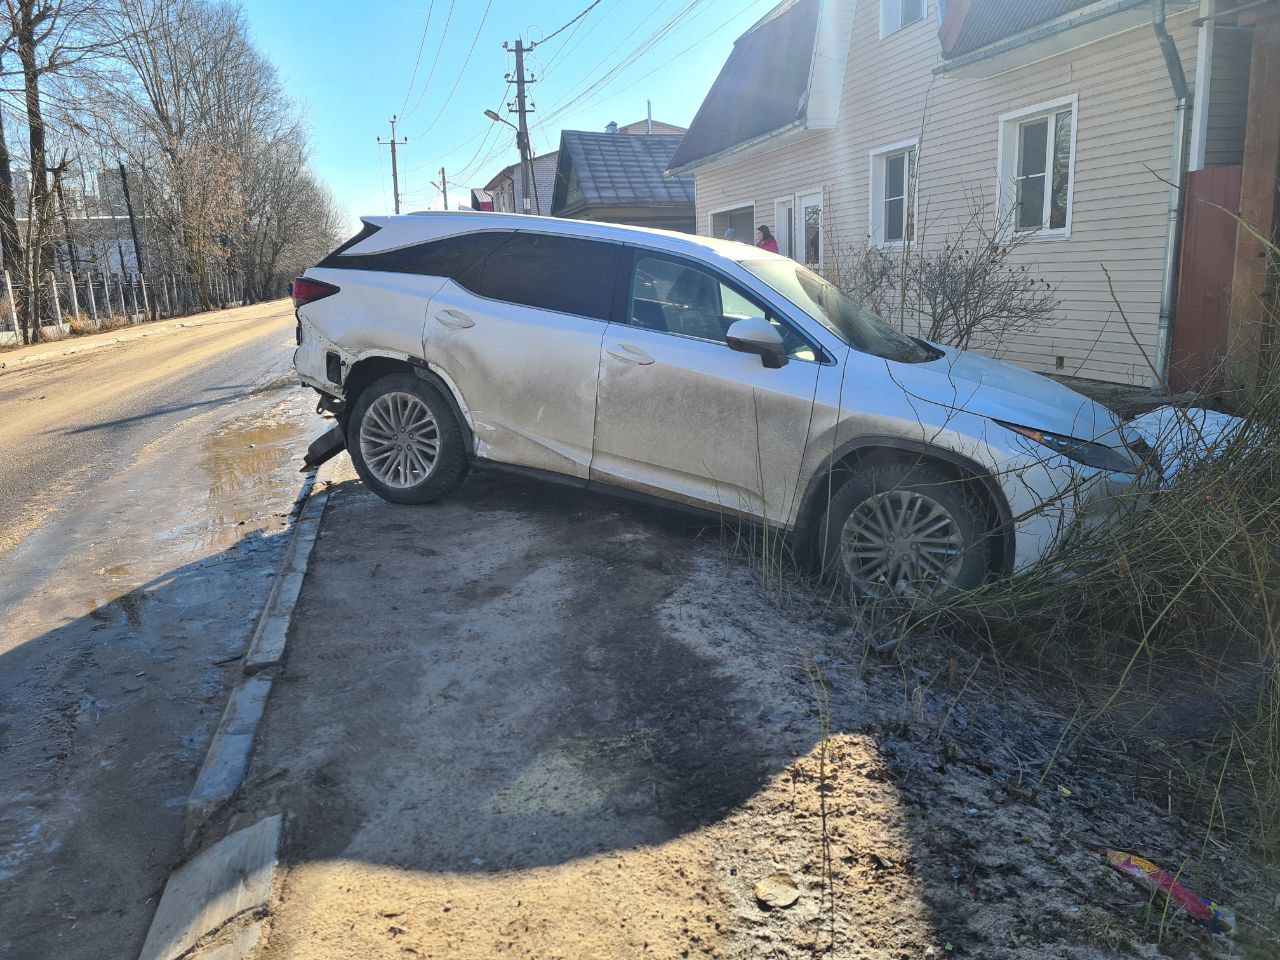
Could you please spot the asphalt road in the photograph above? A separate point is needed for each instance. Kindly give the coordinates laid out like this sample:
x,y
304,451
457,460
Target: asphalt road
x,y
145,493
69,422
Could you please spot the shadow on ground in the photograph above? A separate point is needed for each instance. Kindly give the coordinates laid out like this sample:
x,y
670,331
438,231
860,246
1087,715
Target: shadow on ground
x,y
104,722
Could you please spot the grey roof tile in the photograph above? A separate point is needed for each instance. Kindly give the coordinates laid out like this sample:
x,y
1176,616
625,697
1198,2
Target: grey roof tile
x,y
615,169
762,87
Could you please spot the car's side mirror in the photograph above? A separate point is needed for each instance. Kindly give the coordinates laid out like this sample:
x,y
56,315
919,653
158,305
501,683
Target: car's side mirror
x,y
757,335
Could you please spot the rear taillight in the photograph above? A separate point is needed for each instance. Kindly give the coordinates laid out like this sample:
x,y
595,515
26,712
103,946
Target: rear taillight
x,y
304,290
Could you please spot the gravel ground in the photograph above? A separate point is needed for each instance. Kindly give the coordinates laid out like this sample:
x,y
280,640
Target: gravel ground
x,y
537,723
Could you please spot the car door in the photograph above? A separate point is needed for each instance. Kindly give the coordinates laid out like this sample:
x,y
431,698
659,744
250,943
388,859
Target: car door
x,y
519,333
678,413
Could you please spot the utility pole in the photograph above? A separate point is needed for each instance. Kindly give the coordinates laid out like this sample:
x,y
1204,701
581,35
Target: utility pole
x,y
395,171
522,108
444,188
133,229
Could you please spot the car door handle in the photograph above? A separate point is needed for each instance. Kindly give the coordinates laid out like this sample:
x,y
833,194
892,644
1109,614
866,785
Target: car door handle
x,y
630,354
454,318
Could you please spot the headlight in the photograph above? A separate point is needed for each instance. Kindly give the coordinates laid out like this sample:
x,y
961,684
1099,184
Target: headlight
x,y
1097,455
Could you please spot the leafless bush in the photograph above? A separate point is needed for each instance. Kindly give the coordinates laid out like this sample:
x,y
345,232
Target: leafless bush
x,y
971,289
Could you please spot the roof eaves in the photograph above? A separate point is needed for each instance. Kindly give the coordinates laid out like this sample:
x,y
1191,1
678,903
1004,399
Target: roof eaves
x,y
1041,31
733,151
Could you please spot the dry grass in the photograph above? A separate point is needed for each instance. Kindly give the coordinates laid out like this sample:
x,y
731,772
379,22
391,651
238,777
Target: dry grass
x,y
1166,618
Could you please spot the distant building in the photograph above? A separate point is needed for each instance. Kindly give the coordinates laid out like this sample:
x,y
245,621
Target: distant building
x,y
619,178
506,190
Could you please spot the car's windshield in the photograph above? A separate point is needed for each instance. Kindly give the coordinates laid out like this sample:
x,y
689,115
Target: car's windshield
x,y
840,313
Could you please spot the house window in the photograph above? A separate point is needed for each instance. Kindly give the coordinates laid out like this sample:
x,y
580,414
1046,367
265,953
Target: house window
x,y
896,14
1037,168
736,223
893,194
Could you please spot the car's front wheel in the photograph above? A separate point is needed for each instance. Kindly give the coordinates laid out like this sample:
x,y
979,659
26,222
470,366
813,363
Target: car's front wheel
x,y
905,530
405,441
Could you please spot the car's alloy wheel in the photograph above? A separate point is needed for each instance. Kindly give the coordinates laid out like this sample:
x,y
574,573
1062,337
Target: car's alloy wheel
x,y
399,440
406,441
901,542
905,530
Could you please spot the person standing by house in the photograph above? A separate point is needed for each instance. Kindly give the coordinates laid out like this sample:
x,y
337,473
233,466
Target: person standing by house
x,y
767,240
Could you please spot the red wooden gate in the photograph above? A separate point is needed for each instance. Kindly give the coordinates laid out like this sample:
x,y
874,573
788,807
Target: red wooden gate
x,y
1200,325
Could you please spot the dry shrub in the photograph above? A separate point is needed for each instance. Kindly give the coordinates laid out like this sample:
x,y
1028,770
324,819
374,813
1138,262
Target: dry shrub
x,y
970,288
1178,595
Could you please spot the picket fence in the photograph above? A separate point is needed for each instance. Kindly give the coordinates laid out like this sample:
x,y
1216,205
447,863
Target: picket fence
x,y
93,301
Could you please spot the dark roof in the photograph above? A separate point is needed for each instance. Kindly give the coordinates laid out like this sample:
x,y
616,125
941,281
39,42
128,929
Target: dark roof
x,y
974,24
617,169
762,87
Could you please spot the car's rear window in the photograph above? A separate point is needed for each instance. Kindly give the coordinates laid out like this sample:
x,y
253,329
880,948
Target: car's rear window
x,y
368,230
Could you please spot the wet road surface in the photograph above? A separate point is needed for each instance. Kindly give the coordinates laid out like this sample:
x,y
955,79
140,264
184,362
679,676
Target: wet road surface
x,y
145,490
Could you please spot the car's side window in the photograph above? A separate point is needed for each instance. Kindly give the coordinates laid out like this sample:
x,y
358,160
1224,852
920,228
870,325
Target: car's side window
x,y
675,296
564,274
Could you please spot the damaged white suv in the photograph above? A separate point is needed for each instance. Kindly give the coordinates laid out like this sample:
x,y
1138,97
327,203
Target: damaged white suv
x,y
705,372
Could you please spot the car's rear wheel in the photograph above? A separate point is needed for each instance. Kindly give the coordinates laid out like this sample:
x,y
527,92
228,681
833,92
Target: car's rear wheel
x,y
905,530
405,441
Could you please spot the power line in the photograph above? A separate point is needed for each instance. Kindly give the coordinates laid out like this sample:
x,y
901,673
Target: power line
x,y
435,60
418,60
461,72
562,107
699,42
566,47
556,33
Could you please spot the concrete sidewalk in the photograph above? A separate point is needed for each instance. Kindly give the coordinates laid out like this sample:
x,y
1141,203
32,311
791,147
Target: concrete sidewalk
x,y
39,353
528,721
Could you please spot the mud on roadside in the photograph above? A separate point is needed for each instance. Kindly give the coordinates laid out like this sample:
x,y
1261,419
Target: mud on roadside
x,y
529,722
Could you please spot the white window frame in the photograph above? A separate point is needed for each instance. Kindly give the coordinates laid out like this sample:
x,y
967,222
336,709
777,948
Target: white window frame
x,y
891,16
1007,162
740,205
875,213
801,197
779,205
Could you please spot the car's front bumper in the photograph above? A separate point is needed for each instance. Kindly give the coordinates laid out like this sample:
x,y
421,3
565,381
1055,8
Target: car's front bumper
x,y
1050,500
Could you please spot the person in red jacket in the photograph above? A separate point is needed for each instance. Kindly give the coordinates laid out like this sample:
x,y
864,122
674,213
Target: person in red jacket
x,y
767,240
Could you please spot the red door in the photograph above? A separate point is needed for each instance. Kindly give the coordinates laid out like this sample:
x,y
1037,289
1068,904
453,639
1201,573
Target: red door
x,y
1200,326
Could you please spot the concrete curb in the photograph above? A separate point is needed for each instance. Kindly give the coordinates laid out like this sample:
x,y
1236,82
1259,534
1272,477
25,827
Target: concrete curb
x,y
266,649
228,757
233,876
228,880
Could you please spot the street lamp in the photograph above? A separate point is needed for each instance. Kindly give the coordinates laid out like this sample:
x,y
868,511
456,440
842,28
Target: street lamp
x,y
493,115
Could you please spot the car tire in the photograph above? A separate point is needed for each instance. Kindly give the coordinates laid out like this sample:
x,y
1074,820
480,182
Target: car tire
x,y
941,543
405,440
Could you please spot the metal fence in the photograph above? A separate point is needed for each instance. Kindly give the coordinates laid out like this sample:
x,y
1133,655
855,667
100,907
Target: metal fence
x,y
88,301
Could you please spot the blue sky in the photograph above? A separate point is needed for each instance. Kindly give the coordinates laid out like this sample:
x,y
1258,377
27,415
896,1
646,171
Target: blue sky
x,y
350,67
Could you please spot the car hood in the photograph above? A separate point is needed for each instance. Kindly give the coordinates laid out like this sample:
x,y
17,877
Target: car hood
x,y
1002,391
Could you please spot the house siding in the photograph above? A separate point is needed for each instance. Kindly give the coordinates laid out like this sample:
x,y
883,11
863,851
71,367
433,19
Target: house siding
x,y
508,194
1124,125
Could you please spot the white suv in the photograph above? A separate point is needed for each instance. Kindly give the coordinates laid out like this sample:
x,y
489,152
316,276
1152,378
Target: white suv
x,y
700,371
